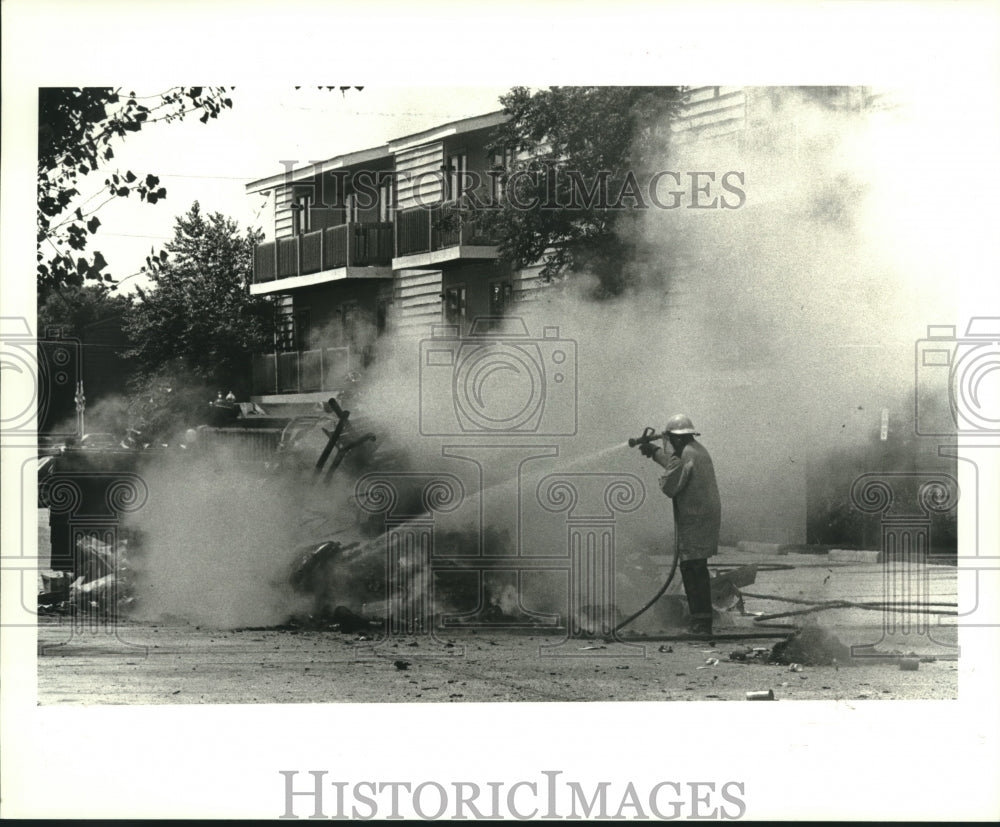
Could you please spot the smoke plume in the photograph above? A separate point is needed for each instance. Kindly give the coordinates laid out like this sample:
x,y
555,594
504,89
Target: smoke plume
x,y
783,328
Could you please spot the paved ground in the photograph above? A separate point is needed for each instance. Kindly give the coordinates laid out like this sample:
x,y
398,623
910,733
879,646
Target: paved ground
x,y
169,664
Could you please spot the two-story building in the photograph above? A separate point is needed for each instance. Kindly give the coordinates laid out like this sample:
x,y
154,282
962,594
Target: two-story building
x,y
369,241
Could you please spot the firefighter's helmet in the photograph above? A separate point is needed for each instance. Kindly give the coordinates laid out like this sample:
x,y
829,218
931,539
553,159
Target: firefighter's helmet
x,y
680,424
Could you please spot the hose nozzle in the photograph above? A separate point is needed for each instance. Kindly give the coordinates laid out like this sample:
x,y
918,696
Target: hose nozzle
x,y
648,435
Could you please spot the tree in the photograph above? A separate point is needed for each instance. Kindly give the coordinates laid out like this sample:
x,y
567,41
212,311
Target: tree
x,y
583,157
76,130
199,324
73,309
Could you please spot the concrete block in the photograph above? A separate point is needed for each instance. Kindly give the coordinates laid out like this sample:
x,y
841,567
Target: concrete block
x,y
758,548
847,555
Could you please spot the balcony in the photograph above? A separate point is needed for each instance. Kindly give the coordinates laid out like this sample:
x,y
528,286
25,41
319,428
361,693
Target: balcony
x,y
304,371
355,250
429,236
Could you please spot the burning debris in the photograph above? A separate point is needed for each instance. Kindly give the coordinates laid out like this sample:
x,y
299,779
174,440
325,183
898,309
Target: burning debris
x,y
811,646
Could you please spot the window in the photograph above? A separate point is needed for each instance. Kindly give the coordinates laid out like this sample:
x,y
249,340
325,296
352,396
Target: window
x,y
302,214
382,305
351,210
386,194
454,176
454,306
501,166
284,325
349,325
302,329
501,294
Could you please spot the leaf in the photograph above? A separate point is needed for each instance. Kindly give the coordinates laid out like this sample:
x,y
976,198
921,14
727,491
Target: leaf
x,y
123,192
130,176
79,214
93,224
99,262
152,180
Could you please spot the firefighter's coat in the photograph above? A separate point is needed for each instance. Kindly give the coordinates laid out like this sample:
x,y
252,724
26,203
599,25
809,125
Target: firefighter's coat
x,y
690,482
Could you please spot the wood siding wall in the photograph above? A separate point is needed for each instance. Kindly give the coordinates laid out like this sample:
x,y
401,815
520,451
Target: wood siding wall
x,y
416,301
283,211
418,175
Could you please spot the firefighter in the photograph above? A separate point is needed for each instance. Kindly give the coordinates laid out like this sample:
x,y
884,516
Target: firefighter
x,y
690,482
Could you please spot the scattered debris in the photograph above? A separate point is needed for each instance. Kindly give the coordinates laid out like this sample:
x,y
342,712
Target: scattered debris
x,y
725,587
751,654
99,585
53,587
761,695
401,664
667,650
811,646
795,667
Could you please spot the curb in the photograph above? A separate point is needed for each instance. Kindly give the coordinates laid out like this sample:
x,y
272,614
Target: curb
x,y
759,548
844,555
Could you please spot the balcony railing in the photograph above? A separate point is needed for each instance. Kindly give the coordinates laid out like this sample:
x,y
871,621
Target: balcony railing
x,y
346,245
429,229
303,371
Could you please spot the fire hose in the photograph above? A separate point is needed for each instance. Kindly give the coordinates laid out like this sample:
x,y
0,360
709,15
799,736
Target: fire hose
x,y
649,435
938,608
658,595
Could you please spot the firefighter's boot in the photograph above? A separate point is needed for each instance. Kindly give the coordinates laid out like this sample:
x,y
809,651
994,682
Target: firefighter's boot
x,y
698,587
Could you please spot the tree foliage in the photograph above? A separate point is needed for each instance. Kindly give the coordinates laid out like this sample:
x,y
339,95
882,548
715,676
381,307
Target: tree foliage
x,y
73,309
77,129
565,136
199,324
